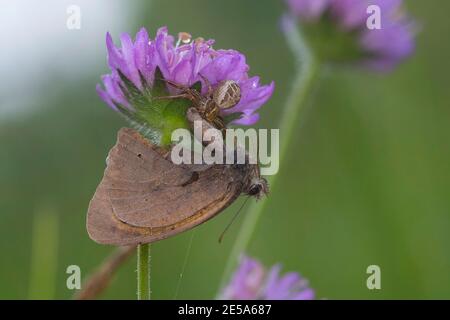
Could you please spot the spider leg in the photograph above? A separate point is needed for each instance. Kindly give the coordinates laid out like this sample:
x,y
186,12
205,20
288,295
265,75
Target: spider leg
x,y
177,96
219,124
208,84
175,85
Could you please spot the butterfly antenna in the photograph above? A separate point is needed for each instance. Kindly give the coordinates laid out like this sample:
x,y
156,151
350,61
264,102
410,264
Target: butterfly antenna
x,y
232,219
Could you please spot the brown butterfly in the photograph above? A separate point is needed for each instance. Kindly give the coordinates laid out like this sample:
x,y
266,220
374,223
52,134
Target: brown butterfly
x,y
143,197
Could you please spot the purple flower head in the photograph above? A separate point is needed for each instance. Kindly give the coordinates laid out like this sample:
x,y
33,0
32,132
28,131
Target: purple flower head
x,y
380,48
252,281
134,64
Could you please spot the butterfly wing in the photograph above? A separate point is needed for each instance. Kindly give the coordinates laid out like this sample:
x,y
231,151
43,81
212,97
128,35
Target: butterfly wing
x,y
144,197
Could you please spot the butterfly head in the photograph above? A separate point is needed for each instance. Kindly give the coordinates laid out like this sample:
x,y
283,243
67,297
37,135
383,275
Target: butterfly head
x,y
258,187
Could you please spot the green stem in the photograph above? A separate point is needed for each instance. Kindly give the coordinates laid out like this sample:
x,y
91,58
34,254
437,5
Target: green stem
x,y
307,74
143,272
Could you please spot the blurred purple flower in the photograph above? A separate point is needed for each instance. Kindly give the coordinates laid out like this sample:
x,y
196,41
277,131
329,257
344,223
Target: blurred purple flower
x,y
308,10
183,62
252,282
383,48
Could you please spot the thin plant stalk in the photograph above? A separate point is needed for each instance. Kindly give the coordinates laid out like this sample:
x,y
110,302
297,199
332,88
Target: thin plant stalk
x,y
308,69
143,272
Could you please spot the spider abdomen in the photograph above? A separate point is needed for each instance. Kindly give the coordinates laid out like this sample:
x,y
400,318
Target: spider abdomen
x,y
227,94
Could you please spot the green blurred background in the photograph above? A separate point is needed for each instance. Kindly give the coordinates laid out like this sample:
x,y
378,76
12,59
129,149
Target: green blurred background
x,y
367,180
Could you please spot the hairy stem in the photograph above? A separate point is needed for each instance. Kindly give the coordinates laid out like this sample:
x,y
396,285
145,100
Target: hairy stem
x,y
307,74
143,272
